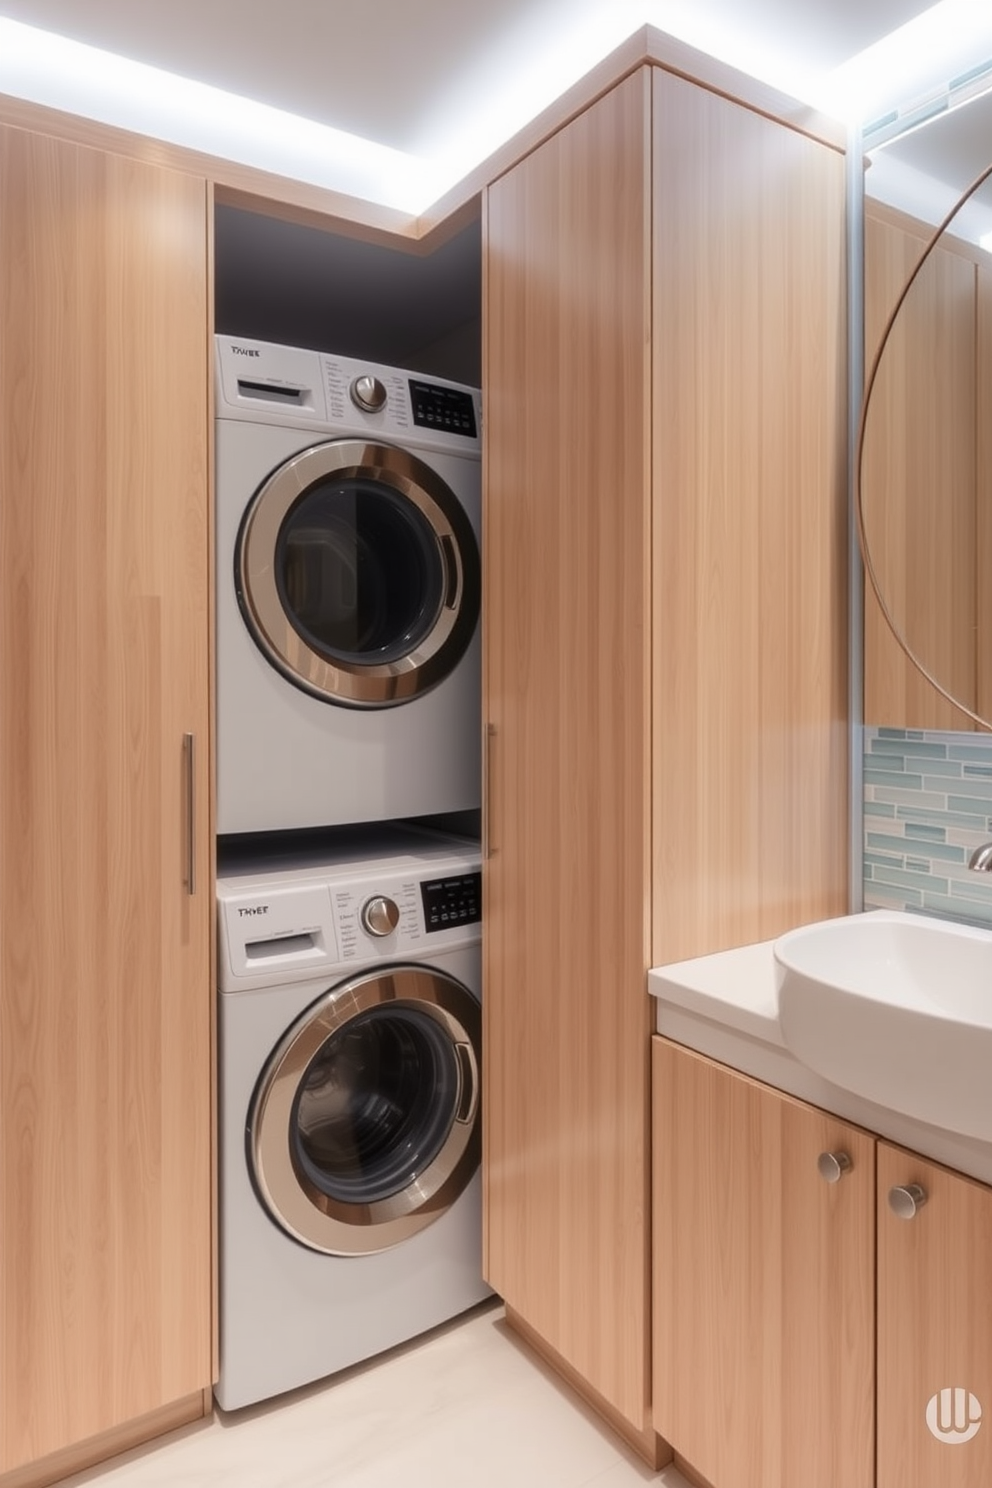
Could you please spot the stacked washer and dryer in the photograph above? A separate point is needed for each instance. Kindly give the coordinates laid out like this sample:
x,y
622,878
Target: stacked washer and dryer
x,y
348,585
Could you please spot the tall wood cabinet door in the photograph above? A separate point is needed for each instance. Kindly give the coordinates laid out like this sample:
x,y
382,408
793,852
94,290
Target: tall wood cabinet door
x,y
567,298
920,438
763,1282
934,1327
105,1001
749,526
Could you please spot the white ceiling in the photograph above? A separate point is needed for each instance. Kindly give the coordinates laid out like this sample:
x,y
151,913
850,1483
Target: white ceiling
x,y
419,76
402,72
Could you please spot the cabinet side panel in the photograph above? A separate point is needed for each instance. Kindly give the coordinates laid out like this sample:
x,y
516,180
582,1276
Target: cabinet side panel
x,y
919,478
566,929
750,533
105,1104
763,1283
934,1329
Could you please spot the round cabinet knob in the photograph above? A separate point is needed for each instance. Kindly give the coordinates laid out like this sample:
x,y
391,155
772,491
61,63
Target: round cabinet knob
x,y
380,915
368,393
833,1165
907,1202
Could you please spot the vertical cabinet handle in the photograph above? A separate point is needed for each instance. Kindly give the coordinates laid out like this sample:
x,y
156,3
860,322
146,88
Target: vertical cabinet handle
x,y
189,760
488,735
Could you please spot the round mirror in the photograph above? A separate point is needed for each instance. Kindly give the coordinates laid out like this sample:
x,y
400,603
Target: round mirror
x,y
924,494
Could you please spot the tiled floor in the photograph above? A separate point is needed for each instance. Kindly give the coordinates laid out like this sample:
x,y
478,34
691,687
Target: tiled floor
x,y
467,1407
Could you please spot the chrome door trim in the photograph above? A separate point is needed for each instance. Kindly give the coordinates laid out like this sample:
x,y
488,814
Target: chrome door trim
x,y
293,1201
337,680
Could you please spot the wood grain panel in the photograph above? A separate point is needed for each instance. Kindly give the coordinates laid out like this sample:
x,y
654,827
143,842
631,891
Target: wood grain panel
x,y
750,547
934,1323
566,685
918,478
99,1449
645,1443
105,1076
763,1283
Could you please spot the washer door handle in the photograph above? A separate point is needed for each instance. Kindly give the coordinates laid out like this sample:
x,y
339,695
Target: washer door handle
x,y
468,1094
453,587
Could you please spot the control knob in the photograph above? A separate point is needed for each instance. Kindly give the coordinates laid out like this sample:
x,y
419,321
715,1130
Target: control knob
x,y
380,915
368,393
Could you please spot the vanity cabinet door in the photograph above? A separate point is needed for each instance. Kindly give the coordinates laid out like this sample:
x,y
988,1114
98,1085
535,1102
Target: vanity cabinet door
x,y
763,1282
934,1326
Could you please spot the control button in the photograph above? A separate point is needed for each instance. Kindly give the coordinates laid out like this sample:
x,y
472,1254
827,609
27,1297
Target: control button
x,y
368,393
380,915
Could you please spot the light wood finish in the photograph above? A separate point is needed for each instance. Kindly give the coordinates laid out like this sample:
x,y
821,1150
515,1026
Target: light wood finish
x,y
211,808
750,542
109,1444
567,298
646,1444
739,765
105,977
689,1473
934,1322
919,477
763,1282
983,493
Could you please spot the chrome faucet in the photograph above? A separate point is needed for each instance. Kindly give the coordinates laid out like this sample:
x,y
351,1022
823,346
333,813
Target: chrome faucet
x,y
981,858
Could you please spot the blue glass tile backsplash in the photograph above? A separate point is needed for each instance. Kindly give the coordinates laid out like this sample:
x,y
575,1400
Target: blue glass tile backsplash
x,y
928,804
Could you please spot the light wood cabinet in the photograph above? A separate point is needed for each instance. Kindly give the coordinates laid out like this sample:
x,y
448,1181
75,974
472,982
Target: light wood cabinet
x,y
105,959
803,1333
763,1282
934,1328
665,650
566,635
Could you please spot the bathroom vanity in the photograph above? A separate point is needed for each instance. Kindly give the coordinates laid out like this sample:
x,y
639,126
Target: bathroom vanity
x,y
822,1296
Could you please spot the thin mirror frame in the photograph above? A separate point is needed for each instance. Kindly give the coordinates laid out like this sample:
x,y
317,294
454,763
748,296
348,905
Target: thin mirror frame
x,y
859,495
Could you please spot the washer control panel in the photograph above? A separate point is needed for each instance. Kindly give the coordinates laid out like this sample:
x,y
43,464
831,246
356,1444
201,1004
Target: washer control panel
x,y
363,921
449,409
451,900
318,917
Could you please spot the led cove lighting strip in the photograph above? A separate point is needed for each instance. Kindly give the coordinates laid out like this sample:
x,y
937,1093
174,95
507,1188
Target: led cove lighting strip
x,y
914,61
51,70
48,69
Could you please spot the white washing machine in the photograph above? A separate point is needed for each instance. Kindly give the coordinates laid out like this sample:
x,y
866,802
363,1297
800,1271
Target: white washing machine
x,y
350,1030
348,585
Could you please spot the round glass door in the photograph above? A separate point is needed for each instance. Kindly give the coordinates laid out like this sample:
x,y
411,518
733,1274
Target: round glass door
x,y
357,573
365,1124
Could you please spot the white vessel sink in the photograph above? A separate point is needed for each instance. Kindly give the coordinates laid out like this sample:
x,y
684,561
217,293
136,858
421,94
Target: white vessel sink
x,y
896,1008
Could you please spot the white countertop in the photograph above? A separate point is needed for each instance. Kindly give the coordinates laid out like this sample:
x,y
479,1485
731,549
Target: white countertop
x,y
736,988
726,1007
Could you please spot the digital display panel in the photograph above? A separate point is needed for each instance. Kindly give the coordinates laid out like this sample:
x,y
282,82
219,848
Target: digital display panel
x,y
445,408
452,901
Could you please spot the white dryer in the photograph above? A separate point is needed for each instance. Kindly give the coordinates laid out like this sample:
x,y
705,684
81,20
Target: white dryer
x,y
348,587
349,1027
